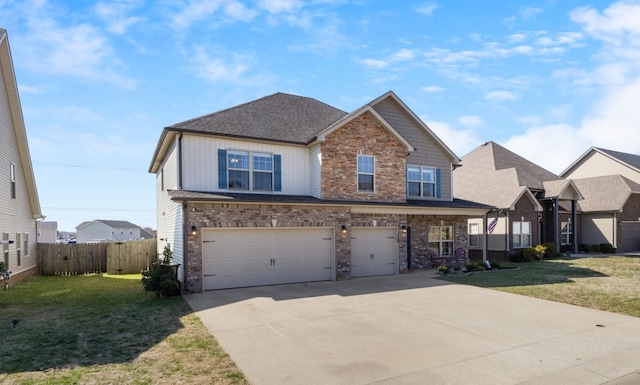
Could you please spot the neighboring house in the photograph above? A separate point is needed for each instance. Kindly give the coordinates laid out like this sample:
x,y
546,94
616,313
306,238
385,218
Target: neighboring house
x,y
288,189
101,230
533,205
47,232
144,234
19,203
610,183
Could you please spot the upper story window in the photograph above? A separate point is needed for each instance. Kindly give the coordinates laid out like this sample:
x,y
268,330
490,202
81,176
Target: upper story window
x,y
421,182
366,174
521,234
13,181
249,171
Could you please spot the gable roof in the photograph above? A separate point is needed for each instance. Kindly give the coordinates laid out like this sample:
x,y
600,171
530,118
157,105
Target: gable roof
x,y
630,160
279,117
493,175
392,95
110,223
15,110
605,193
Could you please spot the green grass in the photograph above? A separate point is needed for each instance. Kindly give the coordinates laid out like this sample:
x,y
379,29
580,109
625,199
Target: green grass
x,y
610,284
104,329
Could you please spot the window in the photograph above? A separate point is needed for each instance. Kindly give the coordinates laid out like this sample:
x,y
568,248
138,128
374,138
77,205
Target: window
x,y
25,248
5,249
441,240
13,181
262,172
238,165
474,236
521,234
421,182
162,179
366,167
19,249
565,233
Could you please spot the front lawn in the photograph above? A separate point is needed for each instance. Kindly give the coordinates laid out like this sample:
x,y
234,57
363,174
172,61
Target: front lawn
x,y
610,284
102,329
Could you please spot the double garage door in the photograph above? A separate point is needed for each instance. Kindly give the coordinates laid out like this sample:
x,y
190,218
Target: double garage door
x,y
268,256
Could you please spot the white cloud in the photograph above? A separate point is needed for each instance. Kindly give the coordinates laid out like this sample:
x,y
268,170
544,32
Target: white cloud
x,y
403,55
470,121
280,6
230,68
619,20
375,63
24,89
427,9
197,10
432,89
115,15
530,12
500,96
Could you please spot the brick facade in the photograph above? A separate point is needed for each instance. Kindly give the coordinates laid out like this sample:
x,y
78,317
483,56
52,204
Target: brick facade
x,y
226,215
364,135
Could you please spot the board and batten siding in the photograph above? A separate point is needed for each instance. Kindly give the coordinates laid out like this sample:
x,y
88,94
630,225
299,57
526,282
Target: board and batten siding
x,y
169,215
200,163
16,215
598,164
428,151
315,159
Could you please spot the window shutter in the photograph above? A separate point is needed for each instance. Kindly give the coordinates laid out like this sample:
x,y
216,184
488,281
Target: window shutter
x,y
277,173
222,169
437,183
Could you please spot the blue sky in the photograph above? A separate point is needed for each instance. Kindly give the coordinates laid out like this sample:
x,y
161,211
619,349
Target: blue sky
x,y
99,80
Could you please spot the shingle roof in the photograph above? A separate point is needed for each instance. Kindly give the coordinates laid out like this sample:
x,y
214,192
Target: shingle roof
x,y
493,175
630,159
278,117
605,193
116,223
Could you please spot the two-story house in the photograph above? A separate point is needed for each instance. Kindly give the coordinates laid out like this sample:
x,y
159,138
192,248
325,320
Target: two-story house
x,y
103,230
19,203
289,189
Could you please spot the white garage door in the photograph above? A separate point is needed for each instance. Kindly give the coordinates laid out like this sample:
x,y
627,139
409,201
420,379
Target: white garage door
x,y
374,251
257,257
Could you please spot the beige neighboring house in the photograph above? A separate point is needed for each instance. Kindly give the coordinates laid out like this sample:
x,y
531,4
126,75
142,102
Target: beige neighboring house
x,y
103,230
19,203
532,204
610,183
47,232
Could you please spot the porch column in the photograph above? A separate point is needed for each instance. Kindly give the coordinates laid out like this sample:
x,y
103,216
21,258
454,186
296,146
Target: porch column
x,y
485,234
556,224
574,228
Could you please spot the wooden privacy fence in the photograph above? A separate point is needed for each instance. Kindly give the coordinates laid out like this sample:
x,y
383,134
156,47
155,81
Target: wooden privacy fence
x,y
86,258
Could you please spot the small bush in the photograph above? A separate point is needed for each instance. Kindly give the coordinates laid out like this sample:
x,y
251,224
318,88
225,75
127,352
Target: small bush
x,y
583,248
517,257
552,250
607,248
529,254
161,277
594,248
565,248
475,266
495,265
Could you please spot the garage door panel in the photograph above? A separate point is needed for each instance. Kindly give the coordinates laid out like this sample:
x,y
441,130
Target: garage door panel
x,y
374,251
256,257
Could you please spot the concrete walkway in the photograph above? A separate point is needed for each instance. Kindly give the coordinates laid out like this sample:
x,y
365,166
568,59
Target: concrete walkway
x,y
414,329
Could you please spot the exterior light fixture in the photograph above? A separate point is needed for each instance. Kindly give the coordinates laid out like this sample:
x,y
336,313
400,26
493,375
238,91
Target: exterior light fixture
x,y
194,231
344,229
404,228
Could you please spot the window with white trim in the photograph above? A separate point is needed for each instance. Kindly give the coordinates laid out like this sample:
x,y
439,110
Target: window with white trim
x,y
262,172
250,171
5,249
421,181
25,247
13,180
474,235
566,229
366,173
238,169
441,240
521,234
19,249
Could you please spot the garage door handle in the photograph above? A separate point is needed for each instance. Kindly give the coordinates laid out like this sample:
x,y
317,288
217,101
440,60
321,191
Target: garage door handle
x,y
209,275
326,268
391,263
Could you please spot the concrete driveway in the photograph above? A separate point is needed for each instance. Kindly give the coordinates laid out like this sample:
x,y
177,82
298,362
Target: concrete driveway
x,y
414,329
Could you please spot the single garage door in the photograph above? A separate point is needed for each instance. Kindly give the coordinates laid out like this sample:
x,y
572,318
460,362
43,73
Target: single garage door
x,y
629,237
256,257
374,251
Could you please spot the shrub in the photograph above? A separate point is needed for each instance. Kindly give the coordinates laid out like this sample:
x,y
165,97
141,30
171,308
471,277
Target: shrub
x,y
529,254
565,248
541,251
607,248
161,277
517,257
594,248
495,265
552,250
475,266
583,248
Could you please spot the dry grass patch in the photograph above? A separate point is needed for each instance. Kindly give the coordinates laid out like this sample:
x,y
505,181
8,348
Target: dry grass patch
x,y
609,284
100,330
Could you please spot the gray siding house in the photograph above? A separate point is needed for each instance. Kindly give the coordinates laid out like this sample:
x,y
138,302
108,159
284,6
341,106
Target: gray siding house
x,y
101,230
